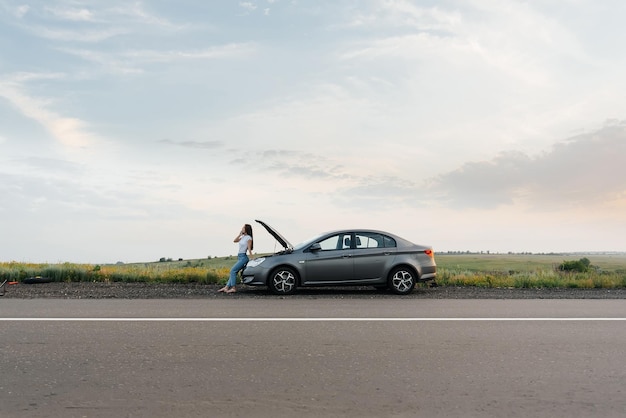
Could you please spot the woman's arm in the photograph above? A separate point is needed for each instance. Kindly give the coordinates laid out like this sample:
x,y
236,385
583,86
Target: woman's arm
x,y
241,234
250,248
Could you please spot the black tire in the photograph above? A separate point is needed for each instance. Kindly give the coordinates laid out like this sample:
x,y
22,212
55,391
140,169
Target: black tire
x,y
36,280
283,281
402,280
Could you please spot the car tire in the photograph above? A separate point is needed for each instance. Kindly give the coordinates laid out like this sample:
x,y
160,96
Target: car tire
x,y
402,281
283,281
37,279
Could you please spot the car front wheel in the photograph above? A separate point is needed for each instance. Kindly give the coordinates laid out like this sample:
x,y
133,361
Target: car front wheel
x,y
283,281
402,281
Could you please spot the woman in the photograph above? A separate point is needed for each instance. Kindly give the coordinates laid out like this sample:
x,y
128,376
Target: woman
x,y
245,245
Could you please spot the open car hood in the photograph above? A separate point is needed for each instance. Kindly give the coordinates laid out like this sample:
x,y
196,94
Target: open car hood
x,y
282,240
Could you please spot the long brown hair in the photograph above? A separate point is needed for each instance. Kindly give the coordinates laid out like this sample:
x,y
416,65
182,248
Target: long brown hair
x,y
248,229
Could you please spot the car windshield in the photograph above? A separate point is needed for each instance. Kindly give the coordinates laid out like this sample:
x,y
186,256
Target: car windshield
x,y
307,242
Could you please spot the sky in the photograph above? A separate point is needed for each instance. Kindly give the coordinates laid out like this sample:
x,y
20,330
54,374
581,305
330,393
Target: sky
x,y
136,130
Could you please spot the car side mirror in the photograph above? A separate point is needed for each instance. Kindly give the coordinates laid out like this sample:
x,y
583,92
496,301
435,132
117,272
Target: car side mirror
x,y
315,247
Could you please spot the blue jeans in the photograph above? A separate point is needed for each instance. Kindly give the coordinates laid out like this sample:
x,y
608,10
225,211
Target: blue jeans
x,y
242,259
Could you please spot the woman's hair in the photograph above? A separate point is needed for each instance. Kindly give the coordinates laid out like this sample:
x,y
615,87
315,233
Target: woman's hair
x,y
248,229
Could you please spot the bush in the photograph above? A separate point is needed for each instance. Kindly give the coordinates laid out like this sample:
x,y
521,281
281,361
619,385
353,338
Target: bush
x,y
581,266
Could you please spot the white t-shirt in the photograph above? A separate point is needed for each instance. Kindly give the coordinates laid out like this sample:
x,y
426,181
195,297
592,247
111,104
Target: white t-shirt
x,y
243,244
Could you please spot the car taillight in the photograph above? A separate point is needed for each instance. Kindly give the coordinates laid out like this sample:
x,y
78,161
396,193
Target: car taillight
x,y
429,253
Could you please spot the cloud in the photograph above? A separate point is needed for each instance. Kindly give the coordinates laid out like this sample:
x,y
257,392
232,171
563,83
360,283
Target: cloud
x,y
382,192
300,166
51,196
585,173
585,170
77,35
21,11
405,14
69,131
518,42
72,23
138,14
229,50
109,62
133,61
306,171
247,6
56,189
194,144
46,166
72,14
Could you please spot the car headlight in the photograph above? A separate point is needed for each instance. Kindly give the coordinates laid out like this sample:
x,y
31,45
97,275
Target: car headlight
x,y
255,262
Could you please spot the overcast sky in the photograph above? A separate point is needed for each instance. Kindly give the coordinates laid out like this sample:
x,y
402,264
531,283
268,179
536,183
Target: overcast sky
x,y
135,130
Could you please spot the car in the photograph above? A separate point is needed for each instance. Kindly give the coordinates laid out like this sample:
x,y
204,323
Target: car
x,y
350,257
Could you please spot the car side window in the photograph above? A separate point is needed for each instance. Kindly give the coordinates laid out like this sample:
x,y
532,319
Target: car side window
x,y
329,243
336,242
389,242
369,240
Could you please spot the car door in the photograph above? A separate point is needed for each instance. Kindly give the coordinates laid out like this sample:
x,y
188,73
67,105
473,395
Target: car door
x,y
332,263
372,257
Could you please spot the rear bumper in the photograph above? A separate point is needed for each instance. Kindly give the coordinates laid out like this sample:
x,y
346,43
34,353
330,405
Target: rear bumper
x,y
428,272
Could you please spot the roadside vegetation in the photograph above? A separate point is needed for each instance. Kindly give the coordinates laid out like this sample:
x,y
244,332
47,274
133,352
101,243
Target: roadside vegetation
x,y
479,270
532,271
209,271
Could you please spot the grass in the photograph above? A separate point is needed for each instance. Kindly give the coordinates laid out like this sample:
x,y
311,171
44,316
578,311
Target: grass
x,y
193,271
525,262
479,270
529,271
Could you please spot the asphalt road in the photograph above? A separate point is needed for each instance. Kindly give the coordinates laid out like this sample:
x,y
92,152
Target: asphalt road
x,y
313,357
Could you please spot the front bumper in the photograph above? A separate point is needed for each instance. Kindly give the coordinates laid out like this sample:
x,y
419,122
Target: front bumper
x,y
255,275
253,280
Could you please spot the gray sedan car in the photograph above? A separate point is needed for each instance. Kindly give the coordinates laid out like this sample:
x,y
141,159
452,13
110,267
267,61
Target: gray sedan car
x,y
356,257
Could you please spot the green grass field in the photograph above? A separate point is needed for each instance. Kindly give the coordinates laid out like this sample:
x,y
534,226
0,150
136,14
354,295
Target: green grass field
x,y
529,271
525,262
481,270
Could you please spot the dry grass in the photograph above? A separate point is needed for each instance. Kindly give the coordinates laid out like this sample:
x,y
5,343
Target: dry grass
x,y
480,270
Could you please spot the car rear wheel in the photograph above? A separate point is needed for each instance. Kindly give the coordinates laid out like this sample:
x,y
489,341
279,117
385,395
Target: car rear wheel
x,y
283,281
402,281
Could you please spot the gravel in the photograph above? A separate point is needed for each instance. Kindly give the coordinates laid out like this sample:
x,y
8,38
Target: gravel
x,y
98,290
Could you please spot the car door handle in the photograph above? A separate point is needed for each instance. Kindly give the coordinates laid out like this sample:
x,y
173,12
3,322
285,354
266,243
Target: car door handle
x,y
386,253
346,256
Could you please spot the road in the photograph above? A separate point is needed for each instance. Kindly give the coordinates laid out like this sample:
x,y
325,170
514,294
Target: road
x,y
314,357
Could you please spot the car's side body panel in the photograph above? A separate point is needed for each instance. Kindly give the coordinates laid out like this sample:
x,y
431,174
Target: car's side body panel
x,y
327,267
373,263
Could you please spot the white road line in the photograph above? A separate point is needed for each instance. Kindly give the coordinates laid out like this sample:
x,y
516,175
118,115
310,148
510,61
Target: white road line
x,y
424,319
